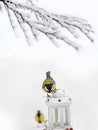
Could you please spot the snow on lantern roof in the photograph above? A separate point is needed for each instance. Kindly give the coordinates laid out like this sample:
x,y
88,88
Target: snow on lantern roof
x,y
59,93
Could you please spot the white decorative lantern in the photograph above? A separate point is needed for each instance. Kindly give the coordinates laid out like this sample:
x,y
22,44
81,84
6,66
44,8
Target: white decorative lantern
x,y
59,111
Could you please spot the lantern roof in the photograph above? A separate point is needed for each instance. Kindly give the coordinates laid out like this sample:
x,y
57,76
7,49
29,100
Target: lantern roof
x,y
58,99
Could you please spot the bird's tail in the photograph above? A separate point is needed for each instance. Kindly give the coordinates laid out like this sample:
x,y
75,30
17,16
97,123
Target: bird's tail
x,y
48,74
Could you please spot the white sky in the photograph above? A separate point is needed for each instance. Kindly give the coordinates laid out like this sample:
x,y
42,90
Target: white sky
x,y
23,67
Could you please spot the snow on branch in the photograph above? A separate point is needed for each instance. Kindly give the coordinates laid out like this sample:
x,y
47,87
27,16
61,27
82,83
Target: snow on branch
x,y
41,21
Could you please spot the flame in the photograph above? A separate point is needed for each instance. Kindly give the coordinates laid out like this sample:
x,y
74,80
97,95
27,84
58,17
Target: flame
x,y
57,122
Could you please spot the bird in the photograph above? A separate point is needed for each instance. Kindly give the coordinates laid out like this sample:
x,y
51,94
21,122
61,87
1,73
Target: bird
x,y
49,85
39,117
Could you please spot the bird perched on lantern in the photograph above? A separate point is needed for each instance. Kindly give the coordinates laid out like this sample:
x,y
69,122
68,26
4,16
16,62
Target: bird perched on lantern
x,y
39,117
49,85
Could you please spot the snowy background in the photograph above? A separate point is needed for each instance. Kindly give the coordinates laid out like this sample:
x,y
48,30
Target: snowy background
x,y
23,68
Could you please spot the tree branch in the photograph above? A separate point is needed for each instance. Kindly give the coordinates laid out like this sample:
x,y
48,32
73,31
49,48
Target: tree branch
x,y
52,25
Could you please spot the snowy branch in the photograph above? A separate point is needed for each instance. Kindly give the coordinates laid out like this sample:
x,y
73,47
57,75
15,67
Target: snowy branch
x,y
51,25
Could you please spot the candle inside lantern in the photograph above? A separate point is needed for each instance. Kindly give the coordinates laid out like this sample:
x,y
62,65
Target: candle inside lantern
x,y
57,122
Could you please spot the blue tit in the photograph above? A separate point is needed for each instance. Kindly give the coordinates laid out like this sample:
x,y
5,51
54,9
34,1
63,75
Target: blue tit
x,y
39,117
49,85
